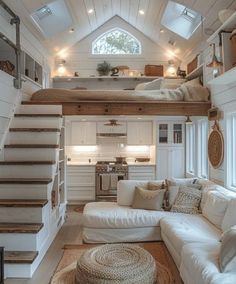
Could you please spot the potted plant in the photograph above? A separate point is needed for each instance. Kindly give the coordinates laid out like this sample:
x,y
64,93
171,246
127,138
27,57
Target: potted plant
x,y
103,68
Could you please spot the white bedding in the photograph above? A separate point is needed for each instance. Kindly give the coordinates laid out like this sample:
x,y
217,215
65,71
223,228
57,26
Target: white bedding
x,y
198,94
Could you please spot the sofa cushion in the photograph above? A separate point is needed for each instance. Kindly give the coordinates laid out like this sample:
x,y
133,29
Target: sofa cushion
x,y
148,199
227,255
215,207
200,262
181,229
229,219
111,215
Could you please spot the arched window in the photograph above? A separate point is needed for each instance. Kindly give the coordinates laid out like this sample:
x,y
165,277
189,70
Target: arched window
x,y
116,41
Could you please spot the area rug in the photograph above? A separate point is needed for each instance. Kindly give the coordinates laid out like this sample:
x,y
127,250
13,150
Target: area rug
x,y
167,271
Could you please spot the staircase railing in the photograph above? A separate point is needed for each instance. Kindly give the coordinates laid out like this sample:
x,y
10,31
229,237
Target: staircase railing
x,y
15,20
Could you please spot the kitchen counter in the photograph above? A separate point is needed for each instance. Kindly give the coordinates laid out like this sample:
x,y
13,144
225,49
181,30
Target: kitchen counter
x,y
141,164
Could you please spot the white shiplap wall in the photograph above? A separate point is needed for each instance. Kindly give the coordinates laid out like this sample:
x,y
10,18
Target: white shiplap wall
x,y
9,96
79,57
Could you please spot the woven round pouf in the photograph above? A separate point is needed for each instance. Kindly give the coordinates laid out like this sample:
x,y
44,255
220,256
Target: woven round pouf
x,y
116,263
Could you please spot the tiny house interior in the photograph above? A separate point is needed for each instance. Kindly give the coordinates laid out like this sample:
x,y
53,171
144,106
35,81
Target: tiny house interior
x,y
100,98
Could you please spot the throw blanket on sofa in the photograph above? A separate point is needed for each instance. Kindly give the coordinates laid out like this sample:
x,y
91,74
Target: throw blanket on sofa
x,y
198,94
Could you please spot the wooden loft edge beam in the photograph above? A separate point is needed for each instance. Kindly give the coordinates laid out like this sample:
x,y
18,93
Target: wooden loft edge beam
x,y
134,108
175,108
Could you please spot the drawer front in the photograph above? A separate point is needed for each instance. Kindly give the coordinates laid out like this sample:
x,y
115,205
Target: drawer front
x,y
81,169
141,176
85,179
142,169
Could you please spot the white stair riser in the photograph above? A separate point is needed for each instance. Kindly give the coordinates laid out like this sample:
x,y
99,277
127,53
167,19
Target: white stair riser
x,y
18,270
23,214
25,191
23,122
30,154
33,138
29,171
22,241
39,109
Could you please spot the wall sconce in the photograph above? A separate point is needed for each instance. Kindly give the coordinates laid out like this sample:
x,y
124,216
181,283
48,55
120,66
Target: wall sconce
x,y
171,70
188,120
61,62
215,63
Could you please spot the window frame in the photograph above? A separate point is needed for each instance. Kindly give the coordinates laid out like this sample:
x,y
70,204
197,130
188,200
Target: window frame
x,y
113,54
190,149
202,151
231,151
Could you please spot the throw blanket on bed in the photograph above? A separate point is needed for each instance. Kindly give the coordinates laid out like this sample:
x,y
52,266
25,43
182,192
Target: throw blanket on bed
x,y
65,95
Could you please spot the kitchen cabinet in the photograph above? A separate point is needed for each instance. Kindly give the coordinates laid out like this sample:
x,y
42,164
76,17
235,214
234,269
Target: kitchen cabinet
x,y
141,172
139,133
80,183
82,133
170,133
170,162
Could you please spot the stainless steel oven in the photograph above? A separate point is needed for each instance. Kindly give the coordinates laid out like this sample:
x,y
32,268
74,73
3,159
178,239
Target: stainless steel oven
x,y
107,176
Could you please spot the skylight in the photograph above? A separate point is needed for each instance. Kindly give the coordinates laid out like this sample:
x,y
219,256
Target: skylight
x,y
52,18
180,19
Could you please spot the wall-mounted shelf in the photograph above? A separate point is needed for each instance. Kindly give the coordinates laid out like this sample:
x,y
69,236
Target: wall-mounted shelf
x,y
101,78
195,73
226,78
229,24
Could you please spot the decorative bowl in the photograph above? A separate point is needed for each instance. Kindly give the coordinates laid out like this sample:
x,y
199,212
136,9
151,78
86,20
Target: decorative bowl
x,y
225,14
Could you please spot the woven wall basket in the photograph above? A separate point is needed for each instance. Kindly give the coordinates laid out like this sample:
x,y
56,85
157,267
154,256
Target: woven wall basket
x,y
216,147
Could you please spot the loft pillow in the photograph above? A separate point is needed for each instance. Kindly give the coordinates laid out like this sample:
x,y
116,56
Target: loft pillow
x,y
153,85
148,199
188,199
227,257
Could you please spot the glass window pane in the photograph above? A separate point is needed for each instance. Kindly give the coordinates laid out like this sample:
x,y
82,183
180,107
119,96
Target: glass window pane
x,y
163,133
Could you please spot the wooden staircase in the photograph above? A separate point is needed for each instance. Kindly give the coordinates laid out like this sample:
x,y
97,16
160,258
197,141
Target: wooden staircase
x,y
28,223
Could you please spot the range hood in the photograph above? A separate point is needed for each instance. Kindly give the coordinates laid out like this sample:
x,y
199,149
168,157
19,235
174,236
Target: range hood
x,y
111,135
111,129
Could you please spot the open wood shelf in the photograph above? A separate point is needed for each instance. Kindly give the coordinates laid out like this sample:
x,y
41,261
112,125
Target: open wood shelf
x,y
195,73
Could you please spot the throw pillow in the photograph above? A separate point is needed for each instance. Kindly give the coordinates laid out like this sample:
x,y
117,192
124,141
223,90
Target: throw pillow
x,y
188,199
156,185
215,207
227,257
153,85
148,199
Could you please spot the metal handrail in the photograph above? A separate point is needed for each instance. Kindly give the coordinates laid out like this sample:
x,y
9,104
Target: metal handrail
x,y
15,20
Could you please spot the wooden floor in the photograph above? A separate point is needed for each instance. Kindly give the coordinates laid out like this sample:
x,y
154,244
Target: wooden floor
x,y
70,233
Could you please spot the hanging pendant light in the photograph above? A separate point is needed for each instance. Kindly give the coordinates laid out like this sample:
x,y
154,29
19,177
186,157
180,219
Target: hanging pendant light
x,y
214,62
188,120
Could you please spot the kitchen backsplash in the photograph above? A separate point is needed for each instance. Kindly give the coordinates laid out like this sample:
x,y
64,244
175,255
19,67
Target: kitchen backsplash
x,y
109,152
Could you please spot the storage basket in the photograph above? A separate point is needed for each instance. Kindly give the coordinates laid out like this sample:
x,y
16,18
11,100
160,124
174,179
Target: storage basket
x,y
154,70
233,44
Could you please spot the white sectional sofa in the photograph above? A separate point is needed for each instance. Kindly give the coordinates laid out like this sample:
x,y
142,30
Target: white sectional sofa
x,y
192,240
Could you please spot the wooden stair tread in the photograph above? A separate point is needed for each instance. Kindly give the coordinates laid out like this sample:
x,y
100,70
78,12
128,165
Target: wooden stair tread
x,y
51,146
19,257
37,115
23,202
25,180
34,130
21,228
26,163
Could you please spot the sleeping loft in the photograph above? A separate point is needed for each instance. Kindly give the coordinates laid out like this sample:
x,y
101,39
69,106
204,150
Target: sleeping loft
x,y
117,142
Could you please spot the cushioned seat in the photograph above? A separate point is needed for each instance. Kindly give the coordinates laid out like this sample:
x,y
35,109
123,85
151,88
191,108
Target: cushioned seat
x,y
200,265
111,215
182,229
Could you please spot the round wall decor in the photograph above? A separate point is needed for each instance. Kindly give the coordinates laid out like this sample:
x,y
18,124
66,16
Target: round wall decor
x,y
216,147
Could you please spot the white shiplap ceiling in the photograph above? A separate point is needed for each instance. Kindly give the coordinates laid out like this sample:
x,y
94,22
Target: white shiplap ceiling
x,y
103,10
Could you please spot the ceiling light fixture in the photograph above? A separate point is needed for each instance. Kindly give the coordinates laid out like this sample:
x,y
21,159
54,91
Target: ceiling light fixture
x,y
71,30
214,62
162,31
141,12
90,11
188,120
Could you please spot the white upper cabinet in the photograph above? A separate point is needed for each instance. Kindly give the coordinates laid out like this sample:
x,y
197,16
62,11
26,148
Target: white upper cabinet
x,y
139,133
83,133
170,134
